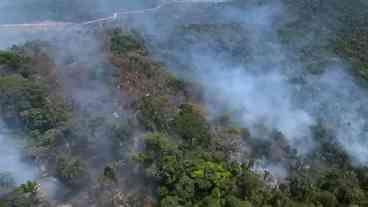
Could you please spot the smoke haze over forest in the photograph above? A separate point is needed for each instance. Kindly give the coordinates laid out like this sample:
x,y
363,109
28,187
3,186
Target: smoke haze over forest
x,y
184,103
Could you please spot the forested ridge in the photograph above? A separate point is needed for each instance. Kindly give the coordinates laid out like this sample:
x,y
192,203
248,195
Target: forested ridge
x,y
119,128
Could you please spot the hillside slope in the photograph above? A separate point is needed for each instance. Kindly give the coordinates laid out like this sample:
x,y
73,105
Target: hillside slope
x,y
236,104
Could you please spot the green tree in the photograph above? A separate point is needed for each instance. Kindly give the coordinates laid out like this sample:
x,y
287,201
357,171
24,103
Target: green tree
x,y
170,201
191,125
71,170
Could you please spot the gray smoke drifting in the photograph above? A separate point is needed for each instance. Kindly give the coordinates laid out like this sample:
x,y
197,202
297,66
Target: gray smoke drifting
x,y
251,73
85,79
337,99
11,158
270,98
255,76
259,99
256,87
262,92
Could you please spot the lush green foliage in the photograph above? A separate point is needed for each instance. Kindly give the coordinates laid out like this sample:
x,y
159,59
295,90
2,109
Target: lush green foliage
x,y
353,46
11,59
29,187
25,103
71,170
23,196
183,160
190,124
189,177
124,42
154,116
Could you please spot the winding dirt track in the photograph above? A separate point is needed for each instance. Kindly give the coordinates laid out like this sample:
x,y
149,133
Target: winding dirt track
x,y
62,25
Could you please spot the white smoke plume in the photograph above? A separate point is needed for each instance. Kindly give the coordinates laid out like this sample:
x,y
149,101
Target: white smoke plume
x,y
12,159
260,86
